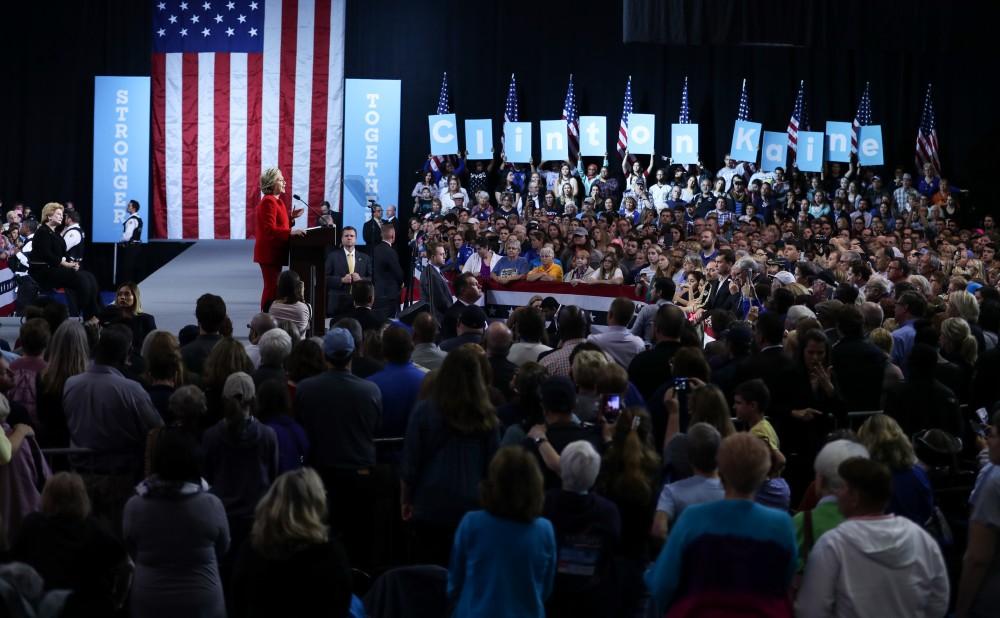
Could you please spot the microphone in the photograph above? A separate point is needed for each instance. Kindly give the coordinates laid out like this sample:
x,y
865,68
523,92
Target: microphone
x,y
309,209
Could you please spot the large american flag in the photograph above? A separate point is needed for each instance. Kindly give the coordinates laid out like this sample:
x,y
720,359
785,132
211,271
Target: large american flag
x,y
798,116
862,119
685,115
240,86
626,112
443,107
927,141
744,112
572,123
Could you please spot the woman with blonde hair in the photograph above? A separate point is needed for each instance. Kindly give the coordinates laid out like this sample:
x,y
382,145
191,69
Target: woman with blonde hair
x,y
292,564
50,268
911,489
273,231
608,272
960,349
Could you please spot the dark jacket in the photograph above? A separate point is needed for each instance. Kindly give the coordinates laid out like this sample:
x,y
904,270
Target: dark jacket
x,y
340,413
388,274
443,467
317,576
651,369
338,294
859,368
240,465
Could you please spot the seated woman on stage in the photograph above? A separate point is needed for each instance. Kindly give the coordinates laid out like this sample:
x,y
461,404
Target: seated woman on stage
x,y
50,268
290,304
127,298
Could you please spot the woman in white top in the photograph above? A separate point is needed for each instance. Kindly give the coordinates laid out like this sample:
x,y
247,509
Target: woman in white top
x,y
691,190
290,304
608,272
426,183
454,186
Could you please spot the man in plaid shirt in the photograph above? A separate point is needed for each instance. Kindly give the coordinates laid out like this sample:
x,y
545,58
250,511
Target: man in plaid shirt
x,y
721,212
573,330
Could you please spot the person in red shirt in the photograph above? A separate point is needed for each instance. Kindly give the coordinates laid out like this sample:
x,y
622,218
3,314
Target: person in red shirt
x,y
272,232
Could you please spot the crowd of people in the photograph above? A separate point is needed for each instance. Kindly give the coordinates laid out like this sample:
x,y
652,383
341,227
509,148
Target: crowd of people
x,y
803,418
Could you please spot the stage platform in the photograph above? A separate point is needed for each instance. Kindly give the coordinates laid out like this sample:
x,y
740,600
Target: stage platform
x,y
223,267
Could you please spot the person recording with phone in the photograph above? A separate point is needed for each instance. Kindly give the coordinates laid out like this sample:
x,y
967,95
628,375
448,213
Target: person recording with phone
x,y
546,441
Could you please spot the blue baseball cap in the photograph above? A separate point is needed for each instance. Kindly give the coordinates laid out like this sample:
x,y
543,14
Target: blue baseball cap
x,y
338,343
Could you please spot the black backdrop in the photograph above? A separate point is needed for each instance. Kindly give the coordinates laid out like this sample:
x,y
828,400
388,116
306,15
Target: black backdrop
x,y
480,44
50,53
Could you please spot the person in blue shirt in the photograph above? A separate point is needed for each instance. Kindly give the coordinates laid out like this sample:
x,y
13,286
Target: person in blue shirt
x,y
511,267
704,568
503,561
399,382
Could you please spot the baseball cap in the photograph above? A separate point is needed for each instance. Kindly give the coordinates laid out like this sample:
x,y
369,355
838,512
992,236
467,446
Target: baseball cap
x,y
797,313
239,386
558,394
973,286
473,317
580,232
907,177
338,343
784,277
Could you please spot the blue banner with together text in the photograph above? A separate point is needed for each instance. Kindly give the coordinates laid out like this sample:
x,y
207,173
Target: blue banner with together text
x,y
371,147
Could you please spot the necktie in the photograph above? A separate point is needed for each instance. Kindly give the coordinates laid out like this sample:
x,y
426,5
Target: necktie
x,y
350,263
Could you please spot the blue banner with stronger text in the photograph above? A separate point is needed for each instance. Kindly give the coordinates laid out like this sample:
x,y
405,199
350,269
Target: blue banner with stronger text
x,y
371,148
121,154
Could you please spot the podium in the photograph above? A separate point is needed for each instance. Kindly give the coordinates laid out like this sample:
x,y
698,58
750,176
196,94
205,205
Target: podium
x,y
308,259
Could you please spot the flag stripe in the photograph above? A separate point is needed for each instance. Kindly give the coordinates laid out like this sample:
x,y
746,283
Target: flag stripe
x,y
320,83
286,96
301,135
335,108
237,146
222,142
271,86
255,85
173,117
205,154
159,130
189,146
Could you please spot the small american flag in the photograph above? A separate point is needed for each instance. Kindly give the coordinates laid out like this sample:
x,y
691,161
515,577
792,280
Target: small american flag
x,y
443,107
239,86
572,123
862,119
927,141
626,112
510,106
798,117
685,115
744,112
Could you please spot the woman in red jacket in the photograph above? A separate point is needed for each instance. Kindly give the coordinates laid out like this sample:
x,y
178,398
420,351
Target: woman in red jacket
x,y
272,233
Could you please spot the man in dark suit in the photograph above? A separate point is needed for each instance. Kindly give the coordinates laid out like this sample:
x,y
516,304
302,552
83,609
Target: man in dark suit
x,y
650,369
467,292
720,296
371,231
433,287
858,365
363,297
344,267
387,275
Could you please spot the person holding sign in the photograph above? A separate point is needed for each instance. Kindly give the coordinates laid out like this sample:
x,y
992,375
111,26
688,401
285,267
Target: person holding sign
x,y
274,228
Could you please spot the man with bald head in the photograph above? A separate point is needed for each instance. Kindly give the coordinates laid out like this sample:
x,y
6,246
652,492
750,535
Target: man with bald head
x,y
498,342
260,324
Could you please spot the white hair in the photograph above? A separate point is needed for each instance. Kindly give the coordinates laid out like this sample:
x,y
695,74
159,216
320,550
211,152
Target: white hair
x,y
274,345
829,459
921,283
579,464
